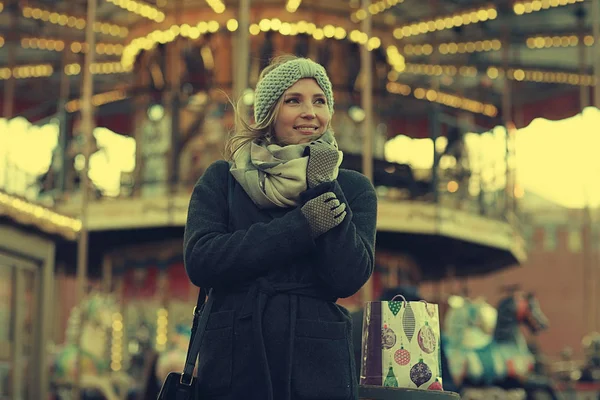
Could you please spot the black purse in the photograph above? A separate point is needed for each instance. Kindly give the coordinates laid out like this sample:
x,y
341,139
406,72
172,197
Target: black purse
x,y
182,386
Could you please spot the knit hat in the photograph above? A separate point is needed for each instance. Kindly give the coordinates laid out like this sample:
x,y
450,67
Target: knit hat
x,y
270,88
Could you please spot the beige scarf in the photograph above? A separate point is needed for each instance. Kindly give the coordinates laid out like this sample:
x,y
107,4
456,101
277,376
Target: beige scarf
x,y
274,175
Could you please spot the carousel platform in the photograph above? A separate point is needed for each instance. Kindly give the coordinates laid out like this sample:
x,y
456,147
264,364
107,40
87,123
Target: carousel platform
x,y
386,393
436,235
441,236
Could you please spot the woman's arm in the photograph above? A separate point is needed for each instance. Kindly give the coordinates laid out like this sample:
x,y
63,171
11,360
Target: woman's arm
x,y
213,256
346,252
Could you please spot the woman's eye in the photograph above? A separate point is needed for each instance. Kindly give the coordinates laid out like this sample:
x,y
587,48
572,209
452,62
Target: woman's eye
x,y
320,101
292,100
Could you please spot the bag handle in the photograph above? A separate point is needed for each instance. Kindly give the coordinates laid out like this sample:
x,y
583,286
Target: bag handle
x,y
202,310
201,314
403,299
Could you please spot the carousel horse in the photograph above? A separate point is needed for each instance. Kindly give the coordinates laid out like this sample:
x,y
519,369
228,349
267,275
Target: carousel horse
x,y
469,323
591,368
159,365
500,356
86,351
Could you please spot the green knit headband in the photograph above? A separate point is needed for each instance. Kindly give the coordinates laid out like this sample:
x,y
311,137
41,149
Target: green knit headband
x,y
281,78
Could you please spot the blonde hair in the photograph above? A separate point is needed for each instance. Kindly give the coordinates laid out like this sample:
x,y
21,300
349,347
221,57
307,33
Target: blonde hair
x,y
245,132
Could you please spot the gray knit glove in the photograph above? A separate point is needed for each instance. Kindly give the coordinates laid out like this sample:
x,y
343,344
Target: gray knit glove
x,y
323,213
322,162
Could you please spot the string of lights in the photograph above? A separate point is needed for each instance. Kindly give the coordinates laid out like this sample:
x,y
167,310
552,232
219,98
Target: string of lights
x,y
495,72
217,6
447,22
447,99
539,76
453,47
97,100
545,42
22,209
292,5
374,9
26,71
329,31
527,7
73,22
532,42
99,68
59,45
141,9
162,324
437,70
116,347
395,59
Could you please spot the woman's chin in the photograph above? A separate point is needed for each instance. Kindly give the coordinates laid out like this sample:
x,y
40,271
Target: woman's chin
x,y
308,139
301,139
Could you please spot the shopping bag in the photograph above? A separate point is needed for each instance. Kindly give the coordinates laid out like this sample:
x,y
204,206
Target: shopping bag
x,y
401,345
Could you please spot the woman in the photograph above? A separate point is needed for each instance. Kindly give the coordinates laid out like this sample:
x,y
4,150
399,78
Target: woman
x,y
280,233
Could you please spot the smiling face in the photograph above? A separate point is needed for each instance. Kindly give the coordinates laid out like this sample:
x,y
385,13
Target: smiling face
x,y
304,114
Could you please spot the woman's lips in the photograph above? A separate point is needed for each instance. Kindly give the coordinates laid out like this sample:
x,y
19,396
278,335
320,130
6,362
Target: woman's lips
x,y
307,131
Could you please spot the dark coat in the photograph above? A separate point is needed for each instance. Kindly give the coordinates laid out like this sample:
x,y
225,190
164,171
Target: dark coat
x,y
275,331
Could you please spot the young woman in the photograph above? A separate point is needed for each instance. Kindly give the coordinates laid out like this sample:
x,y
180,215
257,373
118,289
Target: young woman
x,y
279,233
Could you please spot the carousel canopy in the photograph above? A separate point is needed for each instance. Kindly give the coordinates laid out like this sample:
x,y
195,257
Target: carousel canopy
x,y
458,53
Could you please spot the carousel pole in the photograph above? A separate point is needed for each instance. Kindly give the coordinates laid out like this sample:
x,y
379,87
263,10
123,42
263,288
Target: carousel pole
x,y
87,125
366,60
173,77
63,117
583,89
507,118
596,51
10,83
107,273
506,93
242,55
11,44
589,307
596,61
435,123
586,231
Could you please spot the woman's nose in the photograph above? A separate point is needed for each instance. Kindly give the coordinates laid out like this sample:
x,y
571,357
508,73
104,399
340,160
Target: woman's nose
x,y
308,111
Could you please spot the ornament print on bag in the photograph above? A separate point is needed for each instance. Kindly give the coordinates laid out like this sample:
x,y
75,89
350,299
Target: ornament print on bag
x,y
402,356
395,307
388,338
437,385
401,345
426,338
420,373
408,322
390,379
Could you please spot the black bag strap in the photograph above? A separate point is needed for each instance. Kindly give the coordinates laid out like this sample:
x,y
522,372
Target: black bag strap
x,y
201,314
202,309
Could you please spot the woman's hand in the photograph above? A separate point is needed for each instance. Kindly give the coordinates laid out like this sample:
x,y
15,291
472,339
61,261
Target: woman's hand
x,y
323,158
323,213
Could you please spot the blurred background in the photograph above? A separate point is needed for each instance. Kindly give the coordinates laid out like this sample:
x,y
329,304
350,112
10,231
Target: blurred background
x,y
478,123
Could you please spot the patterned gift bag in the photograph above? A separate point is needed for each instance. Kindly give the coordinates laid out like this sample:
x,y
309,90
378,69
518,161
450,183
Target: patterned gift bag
x,y
401,345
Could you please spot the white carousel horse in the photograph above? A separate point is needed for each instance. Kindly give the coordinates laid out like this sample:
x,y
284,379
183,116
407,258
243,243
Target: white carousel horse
x,y
482,358
86,351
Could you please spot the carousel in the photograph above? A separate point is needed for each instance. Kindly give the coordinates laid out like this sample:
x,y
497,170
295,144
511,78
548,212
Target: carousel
x,y
130,101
